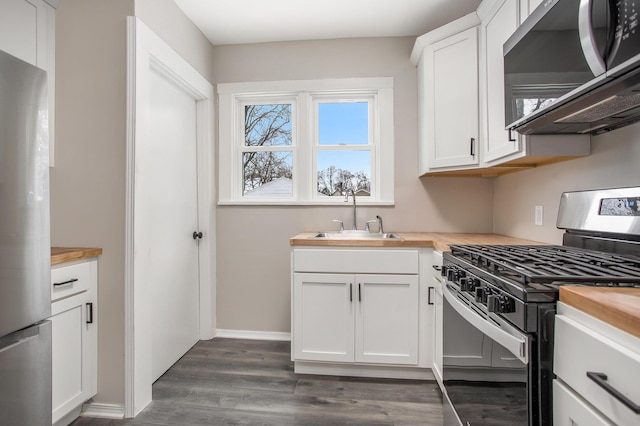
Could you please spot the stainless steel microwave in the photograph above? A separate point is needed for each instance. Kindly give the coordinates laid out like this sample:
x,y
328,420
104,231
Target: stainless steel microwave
x,y
573,66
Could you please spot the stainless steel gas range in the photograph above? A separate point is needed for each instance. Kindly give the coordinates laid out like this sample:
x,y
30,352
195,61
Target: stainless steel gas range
x,y
500,302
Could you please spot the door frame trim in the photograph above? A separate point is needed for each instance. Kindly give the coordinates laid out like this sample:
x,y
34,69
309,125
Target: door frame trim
x,y
146,51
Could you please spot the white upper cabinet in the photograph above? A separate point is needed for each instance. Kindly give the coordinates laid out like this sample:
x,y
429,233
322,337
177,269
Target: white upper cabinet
x,y
27,31
504,149
450,106
527,7
497,26
447,61
461,105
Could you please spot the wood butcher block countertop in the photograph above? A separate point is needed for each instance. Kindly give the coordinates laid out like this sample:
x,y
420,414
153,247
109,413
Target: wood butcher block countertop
x,y
69,254
617,306
439,240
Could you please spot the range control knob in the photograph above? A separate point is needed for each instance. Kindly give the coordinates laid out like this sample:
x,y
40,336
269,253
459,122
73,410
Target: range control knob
x,y
463,284
452,273
443,271
482,293
500,304
473,284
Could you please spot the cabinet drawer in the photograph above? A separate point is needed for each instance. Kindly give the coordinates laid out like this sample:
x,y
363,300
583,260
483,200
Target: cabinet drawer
x,y
571,410
356,261
69,280
579,350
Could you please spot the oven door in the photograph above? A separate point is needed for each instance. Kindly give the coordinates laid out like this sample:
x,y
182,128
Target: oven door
x,y
487,365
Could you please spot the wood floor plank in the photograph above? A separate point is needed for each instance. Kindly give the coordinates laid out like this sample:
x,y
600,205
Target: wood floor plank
x,y
249,382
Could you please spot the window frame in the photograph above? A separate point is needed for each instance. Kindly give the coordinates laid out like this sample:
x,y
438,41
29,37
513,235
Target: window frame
x,y
241,149
304,96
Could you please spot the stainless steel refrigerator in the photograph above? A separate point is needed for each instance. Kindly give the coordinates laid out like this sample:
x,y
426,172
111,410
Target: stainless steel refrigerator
x,y
25,252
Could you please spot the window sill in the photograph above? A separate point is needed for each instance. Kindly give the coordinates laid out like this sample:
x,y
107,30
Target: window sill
x,y
332,203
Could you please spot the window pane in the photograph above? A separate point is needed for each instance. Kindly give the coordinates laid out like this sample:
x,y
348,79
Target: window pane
x,y
344,123
342,170
267,125
267,174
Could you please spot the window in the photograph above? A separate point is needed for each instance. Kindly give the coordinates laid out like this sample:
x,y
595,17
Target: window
x,y
343,150
305,142
267,156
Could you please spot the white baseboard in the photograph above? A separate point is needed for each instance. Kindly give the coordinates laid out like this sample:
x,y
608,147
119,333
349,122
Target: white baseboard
x,y
356,370
254,335
104,411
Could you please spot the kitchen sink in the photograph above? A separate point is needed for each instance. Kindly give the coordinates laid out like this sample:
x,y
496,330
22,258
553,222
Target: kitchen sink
x,y
357,235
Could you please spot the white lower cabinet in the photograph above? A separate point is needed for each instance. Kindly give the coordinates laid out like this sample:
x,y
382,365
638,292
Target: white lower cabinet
x,y
361,311
598,371
437,281
74,338
323,317
356,318
571,410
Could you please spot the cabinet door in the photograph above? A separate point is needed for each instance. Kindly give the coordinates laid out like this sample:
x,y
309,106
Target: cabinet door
x,y
527,7
496,29
449,125
71,362
437,332
387,319
571,410
20,31
323,313
436,281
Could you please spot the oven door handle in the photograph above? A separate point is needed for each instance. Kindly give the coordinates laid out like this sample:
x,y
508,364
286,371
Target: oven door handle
x,y
506,335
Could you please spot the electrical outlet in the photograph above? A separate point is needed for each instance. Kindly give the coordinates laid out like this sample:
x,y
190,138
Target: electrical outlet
x,y
538,215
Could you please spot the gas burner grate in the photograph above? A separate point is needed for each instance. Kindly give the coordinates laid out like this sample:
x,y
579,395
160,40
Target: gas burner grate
x,y
552,264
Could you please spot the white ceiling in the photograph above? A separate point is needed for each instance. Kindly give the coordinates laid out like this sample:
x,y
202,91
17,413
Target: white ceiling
x,y
257,21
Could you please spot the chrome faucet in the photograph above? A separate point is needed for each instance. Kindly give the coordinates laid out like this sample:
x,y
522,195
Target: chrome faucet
x,y
377,220
346,199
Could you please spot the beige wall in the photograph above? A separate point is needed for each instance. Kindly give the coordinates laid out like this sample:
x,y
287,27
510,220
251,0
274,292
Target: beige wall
x,y
253,258
88,181
169,22
613,163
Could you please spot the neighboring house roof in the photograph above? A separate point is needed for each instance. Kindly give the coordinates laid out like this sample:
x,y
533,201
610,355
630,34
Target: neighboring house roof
x,y
280,187
277,188
359,193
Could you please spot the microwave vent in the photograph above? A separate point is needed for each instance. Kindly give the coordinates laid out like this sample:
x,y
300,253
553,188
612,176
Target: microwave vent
x,y
610,107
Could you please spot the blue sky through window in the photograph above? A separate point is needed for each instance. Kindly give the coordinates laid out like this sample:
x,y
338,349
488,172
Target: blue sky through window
x,y
344,123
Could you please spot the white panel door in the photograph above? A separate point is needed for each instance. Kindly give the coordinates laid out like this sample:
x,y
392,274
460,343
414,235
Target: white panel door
x,y
169,167
387,319
323,317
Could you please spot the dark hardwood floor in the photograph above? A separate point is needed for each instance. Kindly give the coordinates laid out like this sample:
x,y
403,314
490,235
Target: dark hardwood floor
x,y
251,382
